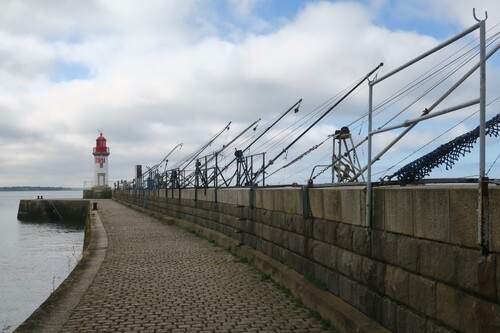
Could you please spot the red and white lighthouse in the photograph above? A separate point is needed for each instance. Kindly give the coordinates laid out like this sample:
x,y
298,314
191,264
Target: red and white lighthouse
x,y
101,154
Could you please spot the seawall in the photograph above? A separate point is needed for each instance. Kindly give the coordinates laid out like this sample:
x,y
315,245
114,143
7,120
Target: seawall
x,y
56,309
416,268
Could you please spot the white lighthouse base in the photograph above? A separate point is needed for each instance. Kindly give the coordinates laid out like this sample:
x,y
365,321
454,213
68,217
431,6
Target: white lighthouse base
x,y
98,192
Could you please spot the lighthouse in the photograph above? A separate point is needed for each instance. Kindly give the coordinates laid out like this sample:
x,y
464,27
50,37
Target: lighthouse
x,y
100,188
101,154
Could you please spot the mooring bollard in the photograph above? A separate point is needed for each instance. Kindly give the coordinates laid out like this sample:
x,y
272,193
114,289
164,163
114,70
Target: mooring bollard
x,y
94,206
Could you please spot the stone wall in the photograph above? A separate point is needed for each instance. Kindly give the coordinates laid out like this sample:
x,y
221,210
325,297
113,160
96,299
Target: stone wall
x,y
416,269
98,192
64,211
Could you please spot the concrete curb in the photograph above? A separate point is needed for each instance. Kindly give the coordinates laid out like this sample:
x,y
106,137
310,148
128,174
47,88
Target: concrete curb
x,y
51,315
343,316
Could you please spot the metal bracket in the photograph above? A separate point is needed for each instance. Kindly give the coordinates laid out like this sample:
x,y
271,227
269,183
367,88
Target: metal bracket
x,y
475,17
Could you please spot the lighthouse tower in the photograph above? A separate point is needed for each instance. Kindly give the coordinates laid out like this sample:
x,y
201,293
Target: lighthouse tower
x,y
100,188
101,153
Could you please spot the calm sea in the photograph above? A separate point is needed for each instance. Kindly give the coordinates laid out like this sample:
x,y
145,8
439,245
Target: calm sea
x,y
34,257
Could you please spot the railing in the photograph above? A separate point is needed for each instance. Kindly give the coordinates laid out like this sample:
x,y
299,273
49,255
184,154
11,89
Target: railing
x,y
483,219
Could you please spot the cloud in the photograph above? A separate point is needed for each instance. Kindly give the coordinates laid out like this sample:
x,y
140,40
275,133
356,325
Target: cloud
x,y
23,60
153,74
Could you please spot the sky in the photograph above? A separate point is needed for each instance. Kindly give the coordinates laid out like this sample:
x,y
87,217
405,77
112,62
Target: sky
x,y
152,74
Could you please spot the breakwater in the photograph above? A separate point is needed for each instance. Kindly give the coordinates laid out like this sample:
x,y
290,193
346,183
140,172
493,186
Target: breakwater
x,y
416,268
72,211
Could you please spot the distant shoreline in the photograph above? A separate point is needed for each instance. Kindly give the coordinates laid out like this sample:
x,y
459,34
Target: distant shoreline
x,y
35,188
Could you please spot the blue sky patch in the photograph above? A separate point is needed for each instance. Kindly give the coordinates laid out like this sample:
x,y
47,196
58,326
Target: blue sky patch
x,y
276,9
274,12
63,71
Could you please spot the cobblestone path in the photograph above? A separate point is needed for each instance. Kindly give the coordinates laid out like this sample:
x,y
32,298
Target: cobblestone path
x,y
159,278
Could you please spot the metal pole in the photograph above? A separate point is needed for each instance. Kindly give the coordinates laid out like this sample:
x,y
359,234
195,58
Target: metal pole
x,y
264,172
482,98
426,54
483,201
407,123
333,159
215,177
357,159
369,174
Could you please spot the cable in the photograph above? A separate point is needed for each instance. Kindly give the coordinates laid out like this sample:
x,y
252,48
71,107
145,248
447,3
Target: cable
x,y
300,156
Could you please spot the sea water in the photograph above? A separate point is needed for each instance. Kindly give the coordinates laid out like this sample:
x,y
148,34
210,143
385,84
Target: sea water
x,y
34,257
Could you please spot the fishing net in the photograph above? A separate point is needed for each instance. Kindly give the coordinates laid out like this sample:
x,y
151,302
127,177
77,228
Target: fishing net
x,y
447,154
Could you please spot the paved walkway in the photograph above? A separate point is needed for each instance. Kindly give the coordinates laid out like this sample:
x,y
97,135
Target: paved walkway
x,y
159,278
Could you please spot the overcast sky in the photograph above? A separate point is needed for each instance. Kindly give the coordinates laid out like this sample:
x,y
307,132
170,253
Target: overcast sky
x,y
155,73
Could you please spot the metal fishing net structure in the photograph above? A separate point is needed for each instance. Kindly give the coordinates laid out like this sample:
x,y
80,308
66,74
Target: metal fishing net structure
x,y
446,154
